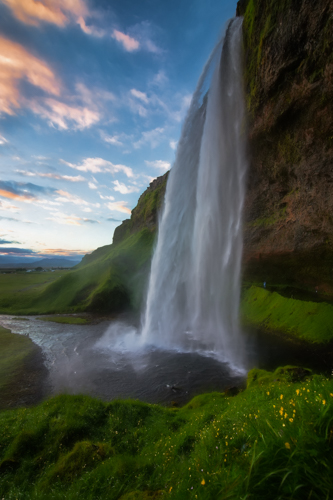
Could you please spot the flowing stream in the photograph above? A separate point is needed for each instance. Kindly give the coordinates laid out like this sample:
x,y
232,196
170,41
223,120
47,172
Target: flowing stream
x,y
194,287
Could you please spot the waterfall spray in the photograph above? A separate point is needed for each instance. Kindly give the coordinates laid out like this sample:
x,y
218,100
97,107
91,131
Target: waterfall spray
x,y
194,286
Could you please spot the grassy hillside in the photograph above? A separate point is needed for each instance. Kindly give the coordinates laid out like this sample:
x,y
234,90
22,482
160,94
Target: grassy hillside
x,y
273,440
111,279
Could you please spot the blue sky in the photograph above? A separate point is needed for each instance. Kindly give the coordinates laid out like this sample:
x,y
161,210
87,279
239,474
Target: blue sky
x,y
93,94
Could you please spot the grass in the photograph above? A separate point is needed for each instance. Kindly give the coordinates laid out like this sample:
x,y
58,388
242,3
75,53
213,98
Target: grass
x,y
14,351
273,440
68,320
309,321
111,279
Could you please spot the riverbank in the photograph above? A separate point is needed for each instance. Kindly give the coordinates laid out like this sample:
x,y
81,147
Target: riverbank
x,y
273,439
22,371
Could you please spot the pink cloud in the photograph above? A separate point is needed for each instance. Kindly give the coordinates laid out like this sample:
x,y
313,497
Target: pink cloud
x,y
129,43
56,12
16,63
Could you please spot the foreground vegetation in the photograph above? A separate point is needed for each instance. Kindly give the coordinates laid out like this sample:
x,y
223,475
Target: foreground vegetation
x,y
274,440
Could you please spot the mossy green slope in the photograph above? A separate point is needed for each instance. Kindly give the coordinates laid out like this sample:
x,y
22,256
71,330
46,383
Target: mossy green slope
x,y
310,321
273,440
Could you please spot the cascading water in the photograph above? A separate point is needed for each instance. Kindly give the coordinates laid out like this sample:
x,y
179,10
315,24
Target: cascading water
x,y
194,286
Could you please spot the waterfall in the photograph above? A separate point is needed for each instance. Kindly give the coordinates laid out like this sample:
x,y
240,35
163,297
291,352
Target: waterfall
x,y
194,285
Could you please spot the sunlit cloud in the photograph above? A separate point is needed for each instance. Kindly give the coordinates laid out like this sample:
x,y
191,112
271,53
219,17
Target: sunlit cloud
x,y
160,164
92,185
90,30
129,43
65,116
114,139
16,63
21,191
173,145
61,252
96,165
118,206
123,189
153,137
143,33
57,12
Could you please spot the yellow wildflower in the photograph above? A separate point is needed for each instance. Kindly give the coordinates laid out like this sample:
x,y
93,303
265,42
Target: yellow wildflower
x,y
203,482
287,445
324,402
281,397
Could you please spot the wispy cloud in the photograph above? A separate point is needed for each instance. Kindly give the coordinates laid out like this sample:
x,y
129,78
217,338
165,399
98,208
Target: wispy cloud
x,y
15,251
57,12
123,189
92,185
61,218
66,197
96,165
140,95
118,206
153,137
3,140
5,205
58,177
115,140
21,191
160,164
16,64
130,44
91,221
64,115
173,144
6,242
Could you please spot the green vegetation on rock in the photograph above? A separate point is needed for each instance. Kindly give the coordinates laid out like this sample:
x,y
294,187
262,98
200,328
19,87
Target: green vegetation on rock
x,y
273,440
68,320
309,321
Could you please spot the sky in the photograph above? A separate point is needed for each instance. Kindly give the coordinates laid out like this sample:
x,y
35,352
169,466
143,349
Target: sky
x,y
93,94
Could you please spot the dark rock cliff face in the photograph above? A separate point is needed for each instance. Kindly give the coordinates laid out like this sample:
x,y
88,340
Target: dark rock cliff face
x,y
289,89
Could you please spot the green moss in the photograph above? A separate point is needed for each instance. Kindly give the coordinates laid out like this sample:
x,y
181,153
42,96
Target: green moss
x,y
308,321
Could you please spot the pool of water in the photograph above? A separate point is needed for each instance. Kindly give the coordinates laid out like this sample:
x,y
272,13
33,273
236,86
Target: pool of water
x,y
107,360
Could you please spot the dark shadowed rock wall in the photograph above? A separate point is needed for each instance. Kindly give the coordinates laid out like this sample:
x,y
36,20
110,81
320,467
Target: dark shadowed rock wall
x,y
289,90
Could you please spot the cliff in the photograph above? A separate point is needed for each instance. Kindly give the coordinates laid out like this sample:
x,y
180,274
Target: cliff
x,y
288,234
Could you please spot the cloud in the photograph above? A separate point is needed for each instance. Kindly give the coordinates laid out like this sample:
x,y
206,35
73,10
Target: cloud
x,y
129,43
92,185
160,164
5,205
143,33
61,218
112,140
57,12
22,191
13,251
90,30
91,221
66,197
111,198
16,64
3,140
140,95
123,189
58,177
64,115
111,219
152,137
96,165
173,144
118,206
5,242
159,79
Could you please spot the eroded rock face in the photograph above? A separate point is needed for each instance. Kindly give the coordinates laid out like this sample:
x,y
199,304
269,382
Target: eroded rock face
x,y
289,90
